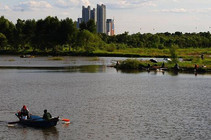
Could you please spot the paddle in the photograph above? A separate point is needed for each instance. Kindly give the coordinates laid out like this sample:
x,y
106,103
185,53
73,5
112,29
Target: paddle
x,y
13,122
67,121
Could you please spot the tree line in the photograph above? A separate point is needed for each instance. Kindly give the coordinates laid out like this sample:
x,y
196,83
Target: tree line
x,y
54,35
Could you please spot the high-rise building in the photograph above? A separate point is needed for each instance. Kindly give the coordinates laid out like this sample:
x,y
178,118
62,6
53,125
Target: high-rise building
x,y
101,18
93,15
88,14
79,22
110,27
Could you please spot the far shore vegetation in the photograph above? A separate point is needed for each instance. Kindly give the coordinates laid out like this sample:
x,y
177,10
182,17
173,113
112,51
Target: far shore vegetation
x,y
51,36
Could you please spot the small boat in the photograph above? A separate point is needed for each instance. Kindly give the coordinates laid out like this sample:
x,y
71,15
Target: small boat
x,y
37,121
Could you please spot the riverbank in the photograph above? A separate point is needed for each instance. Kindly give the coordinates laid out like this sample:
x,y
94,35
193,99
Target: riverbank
x,y
128,52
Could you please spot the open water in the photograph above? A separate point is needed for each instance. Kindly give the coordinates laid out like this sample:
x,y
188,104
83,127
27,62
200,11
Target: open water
x,y
101,102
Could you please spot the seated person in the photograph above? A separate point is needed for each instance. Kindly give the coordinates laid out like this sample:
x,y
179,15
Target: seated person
x,y
24,113
46,115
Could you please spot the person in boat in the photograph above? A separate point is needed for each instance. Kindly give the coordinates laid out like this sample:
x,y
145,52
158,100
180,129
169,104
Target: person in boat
x,y
24,113
46,115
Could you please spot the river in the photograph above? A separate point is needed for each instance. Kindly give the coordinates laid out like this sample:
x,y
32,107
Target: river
x,y
101,102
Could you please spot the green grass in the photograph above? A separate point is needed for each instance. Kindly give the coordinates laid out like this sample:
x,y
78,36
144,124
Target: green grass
x,y
144,52
56,58
139,52
184,65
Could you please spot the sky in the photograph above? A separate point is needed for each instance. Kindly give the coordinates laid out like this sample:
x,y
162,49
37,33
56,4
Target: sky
x,y
133,16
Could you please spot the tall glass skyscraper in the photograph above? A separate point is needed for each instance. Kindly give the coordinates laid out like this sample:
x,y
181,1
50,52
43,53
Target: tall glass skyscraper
x,y
101,18
88,14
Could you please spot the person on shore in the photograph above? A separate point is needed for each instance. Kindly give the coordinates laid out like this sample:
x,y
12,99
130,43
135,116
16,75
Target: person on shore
x,y
176,67
46,115
163,65
148,67
24,113
202,56
196,67
117,63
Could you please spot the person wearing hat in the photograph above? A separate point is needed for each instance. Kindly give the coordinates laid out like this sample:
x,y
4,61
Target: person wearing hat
x,y
46,115
24,113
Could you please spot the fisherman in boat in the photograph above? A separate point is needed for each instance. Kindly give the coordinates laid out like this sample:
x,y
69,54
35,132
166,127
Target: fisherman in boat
x,y
24,113
46,115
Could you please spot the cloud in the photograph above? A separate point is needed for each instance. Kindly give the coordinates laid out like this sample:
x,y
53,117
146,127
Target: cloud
x,y
128,4
32,5
175,10
4,7
183,10
71,3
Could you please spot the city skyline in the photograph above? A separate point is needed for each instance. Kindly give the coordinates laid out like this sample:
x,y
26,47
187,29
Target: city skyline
x,y
145,16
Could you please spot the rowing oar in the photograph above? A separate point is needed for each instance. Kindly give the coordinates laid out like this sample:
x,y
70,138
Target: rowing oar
x,y
12,123
65,120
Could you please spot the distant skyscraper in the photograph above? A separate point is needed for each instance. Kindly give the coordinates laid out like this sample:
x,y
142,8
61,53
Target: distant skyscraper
x,y
79,22
93,15
101,18
110,27
88,14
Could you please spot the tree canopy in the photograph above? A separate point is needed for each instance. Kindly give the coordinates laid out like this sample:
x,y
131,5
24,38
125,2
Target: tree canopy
x,y
52,34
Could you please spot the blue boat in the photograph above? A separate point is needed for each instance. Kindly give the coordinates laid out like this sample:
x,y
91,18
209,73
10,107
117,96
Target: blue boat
x,y
37,121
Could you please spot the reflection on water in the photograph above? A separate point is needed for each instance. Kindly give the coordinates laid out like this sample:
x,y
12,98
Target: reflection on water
x,y
50,133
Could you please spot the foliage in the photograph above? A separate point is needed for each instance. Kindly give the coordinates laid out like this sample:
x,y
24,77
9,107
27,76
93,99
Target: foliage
x,y
129,64
51,35
134,64
173,53
3,41
90,26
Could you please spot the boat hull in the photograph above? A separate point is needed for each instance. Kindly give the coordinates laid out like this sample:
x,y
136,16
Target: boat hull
x,y
37,121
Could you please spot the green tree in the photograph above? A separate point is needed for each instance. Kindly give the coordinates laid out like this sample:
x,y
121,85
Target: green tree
x,y
3,41
90,26
7,28
173,53
68,32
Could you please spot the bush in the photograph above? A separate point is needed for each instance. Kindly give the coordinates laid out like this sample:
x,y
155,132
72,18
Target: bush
x,y
110,47
130,64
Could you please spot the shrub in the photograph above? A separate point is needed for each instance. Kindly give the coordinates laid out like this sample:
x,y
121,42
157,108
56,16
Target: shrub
x,y
130,64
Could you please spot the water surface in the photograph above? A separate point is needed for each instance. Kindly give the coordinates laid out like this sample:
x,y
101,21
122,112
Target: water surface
x,y
103,103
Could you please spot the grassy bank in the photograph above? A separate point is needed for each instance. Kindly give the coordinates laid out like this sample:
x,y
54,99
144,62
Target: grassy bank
x,y
128,52
185,65
143,52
